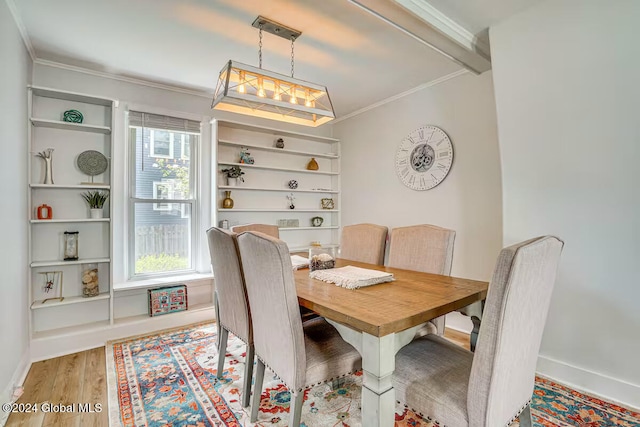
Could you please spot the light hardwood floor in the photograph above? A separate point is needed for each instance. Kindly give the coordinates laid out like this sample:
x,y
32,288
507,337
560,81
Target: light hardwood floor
x,y
81,378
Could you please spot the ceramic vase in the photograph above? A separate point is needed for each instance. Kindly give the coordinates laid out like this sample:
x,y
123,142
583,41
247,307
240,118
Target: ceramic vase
x,y
96,213
312,165
227,203
232,182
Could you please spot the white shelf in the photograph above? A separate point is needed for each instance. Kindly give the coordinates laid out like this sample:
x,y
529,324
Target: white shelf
x,y
161,281
72,330
278,210
273,168
68,300
71,186
145,317
72,96
76,262
284,190
58,124
276,132
280,150
59,221
332,227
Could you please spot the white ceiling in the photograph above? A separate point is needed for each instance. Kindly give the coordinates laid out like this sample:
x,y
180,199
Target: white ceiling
x,y
359,58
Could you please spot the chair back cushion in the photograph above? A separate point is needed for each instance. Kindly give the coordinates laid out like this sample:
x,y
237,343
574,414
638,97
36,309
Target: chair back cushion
x,y
268,229
504,364
363,243
233,306
277,326
425,248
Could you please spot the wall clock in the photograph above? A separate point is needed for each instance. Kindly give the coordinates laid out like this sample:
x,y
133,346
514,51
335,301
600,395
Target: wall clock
x,y
424,158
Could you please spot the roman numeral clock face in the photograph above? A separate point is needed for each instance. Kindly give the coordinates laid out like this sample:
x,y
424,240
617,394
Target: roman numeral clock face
x,y
424,158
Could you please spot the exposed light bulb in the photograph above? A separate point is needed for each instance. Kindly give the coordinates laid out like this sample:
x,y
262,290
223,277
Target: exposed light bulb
x,y
307,97
293,99
261,92
241,86
276,92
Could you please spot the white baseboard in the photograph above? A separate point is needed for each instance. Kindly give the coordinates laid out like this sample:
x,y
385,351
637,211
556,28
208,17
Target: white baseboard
x,y
60,345
592,383
17,380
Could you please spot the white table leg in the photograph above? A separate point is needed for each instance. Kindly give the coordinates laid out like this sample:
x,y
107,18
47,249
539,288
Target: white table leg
x,y
378,363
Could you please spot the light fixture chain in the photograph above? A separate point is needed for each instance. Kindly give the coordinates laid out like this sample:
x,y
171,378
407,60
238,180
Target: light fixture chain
x,y
260,48
292,54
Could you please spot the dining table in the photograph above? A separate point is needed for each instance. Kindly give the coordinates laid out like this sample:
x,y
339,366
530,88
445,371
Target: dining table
x,y
378,320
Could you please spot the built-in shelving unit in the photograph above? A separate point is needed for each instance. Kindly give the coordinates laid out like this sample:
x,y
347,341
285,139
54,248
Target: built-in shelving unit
x,y
264,195
75,313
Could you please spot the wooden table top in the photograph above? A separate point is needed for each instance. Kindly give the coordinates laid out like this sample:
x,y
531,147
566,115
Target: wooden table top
x,y
413,298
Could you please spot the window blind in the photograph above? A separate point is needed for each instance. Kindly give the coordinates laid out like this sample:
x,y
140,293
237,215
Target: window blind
x,y
155,121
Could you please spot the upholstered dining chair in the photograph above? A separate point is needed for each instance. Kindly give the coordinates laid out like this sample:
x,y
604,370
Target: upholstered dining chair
x,y
425,248
301,355
271,230
364,243
493,385
231,305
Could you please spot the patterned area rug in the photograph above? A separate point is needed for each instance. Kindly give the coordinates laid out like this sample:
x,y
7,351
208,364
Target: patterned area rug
x,y
169,380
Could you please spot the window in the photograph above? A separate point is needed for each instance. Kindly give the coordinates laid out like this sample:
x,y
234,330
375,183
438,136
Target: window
x,y
161,144
162,194
162,190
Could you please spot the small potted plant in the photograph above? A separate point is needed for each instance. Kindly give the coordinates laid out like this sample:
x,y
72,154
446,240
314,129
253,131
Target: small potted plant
x,y
95,200
233,174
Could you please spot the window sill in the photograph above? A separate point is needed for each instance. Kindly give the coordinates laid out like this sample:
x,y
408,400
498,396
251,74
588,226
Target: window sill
x,y
161,281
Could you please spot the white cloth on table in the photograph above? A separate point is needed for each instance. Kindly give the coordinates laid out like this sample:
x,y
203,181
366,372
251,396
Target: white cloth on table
x,y
299,262
351,277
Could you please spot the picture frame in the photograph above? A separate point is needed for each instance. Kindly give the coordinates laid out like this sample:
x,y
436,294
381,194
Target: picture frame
x,y
327,203
168,299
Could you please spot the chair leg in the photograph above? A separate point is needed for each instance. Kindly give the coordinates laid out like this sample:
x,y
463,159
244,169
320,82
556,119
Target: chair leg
x,y
217,310
295,409
222,351
248,374
473,338
525,417
257,391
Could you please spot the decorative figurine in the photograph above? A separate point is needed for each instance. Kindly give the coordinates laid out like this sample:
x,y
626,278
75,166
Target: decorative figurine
x,y
48,173
291,199
245,156
279,143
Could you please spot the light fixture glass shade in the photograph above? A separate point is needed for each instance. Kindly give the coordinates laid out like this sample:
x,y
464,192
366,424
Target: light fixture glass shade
x,y
257,92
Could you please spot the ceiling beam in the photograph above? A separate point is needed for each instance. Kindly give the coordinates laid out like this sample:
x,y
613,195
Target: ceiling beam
x,y
427,25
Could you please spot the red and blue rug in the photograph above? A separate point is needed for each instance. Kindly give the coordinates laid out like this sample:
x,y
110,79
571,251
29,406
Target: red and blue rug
x,y
169,379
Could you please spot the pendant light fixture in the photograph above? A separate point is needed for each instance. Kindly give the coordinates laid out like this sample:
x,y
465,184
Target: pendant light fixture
x,y
258,92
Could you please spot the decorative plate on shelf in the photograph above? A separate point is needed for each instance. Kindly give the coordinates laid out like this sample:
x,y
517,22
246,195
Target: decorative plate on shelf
x,y
92,162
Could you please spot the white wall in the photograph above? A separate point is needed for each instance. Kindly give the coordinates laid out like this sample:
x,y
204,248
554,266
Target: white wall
x,y
467,201
14,77
568,103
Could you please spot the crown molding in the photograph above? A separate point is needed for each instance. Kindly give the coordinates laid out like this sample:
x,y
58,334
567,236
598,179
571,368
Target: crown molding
x,y
133,80
402,95
446,25
23,30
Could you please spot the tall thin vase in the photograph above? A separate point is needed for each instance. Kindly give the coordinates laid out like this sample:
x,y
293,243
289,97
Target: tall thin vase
x,y
48,172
